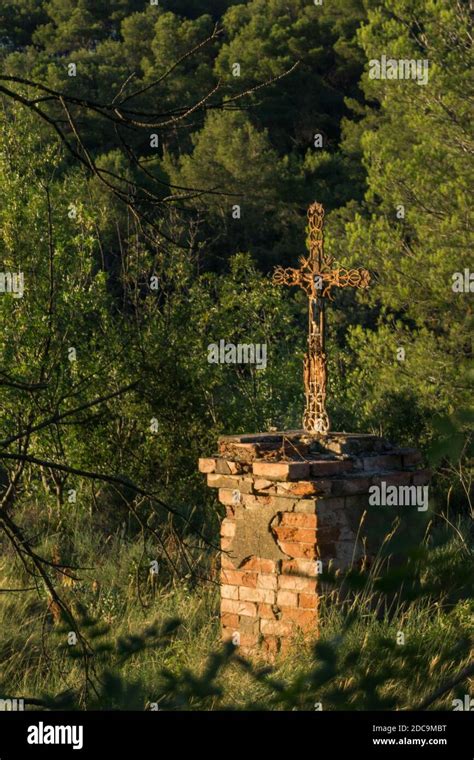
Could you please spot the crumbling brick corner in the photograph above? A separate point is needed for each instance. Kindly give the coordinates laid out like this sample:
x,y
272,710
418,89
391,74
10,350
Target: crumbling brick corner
x,y
294,506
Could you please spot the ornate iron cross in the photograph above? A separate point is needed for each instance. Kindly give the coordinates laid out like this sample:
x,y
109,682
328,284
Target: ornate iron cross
x,y
317,278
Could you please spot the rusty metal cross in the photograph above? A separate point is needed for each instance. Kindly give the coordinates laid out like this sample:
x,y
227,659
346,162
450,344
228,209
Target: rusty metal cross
x,y
317,278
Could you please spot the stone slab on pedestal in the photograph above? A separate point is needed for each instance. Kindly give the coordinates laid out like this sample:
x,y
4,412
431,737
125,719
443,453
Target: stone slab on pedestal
x,y
295,505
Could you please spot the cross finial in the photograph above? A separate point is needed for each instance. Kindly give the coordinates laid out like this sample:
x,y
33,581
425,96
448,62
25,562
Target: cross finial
x,y
316,277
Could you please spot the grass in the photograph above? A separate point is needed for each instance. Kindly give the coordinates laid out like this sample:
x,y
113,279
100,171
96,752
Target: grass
x,y
356,663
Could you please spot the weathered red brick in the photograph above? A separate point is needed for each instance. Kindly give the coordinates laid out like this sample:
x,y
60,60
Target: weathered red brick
x,y
207,465
287,598
267,581
299,520
289,533
287,502
266,611
298,583
267,486
214,480
227,467
249,625
259,565
382,462
281,470
229,592
222,468
308,601
226,497
249,640
238,578
239,607
232,482
305,488
351,485
323,467
330,534
301,567
298,550
271,646
230,620
276,627
263,595
305,619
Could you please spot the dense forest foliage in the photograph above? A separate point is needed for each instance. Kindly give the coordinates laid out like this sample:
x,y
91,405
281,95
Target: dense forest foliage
x,y
143,240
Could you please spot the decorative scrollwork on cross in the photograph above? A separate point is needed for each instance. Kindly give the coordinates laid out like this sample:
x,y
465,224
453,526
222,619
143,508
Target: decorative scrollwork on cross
x,y
317,275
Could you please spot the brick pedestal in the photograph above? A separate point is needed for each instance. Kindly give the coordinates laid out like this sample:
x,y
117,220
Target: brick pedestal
x,y
294,508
